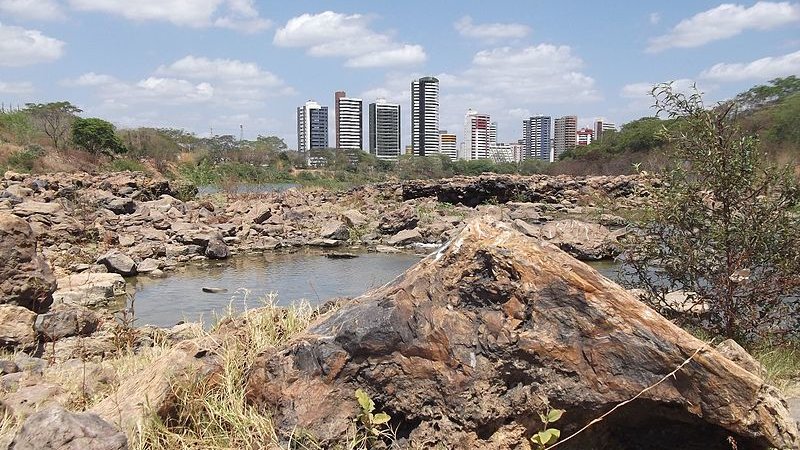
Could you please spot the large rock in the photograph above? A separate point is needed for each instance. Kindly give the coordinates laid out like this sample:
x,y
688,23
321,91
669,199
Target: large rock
x,y
335,230
217,249
65,321
58,429
16,327
585,241
117,262
30,208
25,278
403,218
405,237
464,349
89,288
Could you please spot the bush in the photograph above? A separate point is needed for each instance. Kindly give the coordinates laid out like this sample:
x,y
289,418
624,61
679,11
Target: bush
x,y
722,229
125,164
96,136
24,160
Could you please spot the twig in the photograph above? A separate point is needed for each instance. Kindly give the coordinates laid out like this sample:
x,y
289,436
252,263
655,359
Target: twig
x,y
600,419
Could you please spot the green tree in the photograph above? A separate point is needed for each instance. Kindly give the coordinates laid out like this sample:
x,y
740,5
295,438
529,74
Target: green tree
x,y
53,119
722,230
96,136
772,92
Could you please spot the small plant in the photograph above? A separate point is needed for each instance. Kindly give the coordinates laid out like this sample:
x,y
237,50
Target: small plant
x,y
125,332
547,436
371,426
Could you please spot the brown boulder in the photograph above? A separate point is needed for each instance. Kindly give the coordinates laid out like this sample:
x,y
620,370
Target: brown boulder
x,y
16,327
25,278
464,349
58,429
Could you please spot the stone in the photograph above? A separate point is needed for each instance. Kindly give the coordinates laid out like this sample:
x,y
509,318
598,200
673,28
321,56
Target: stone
x,y
335,230
684,302
65,321
7,367
58,429
25,277
354,218
405,237
118,262
89,288
16,327
465,348
403,218
120,205
30,208
736,353
217,249
148,265
30,363
387,249
27,399
319,242
585,241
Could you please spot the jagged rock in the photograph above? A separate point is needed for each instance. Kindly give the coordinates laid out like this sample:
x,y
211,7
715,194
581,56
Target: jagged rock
x,y
16,327
25,278
30,208
335,230
7,367
354,218
405,237
89,288
148,265
117,262
585,241
403,218
58,429
464,349
65,321
733,351
120,205
28,399
387,249
217,249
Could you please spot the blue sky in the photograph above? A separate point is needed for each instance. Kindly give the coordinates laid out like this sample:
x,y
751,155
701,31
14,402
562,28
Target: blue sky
x,y
198,64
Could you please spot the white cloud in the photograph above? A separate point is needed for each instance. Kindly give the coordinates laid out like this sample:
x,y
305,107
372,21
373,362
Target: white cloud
x,y
760,69
90,79
23,87
725,21
227,70
32,9
22,47
240,15
655,18
331,34
490,31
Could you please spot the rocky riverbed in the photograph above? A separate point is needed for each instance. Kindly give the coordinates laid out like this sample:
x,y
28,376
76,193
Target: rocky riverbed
x,y
67,242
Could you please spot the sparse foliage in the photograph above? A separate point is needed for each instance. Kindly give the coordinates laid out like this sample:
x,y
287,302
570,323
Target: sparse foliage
x,y
722,228
53,119
547,436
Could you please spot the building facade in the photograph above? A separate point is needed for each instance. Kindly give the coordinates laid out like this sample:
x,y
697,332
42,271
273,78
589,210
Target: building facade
x,y
448,144
536,134
600,126
425,116
477,132
349,122
384,130
501,153
312,126
565,135
584,136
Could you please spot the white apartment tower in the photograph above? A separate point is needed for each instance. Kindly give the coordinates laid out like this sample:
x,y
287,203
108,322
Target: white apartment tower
x,y
447,144
384,130
477,133
349,122
312,126
425,116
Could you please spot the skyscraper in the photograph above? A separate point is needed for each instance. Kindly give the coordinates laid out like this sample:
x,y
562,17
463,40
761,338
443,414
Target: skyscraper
x,y
312,126
384,130
349,122
600,126
477,131
425,116
536,133
565,135
447,144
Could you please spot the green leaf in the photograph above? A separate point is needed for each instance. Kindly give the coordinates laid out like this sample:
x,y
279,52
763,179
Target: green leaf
x,y
554,415
381,418
550,435
543,418
363,399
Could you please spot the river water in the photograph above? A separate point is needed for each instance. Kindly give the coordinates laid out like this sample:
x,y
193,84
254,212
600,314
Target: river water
x,y
290,277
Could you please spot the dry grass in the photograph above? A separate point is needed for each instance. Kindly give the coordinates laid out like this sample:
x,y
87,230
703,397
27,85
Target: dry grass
x,y
783,367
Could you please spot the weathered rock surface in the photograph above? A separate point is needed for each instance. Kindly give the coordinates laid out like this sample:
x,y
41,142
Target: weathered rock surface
x,y
89,288
66,321
217,249
16,327
58,429
25,277
466,347
405,237
585,241
335,230
403,218
117,262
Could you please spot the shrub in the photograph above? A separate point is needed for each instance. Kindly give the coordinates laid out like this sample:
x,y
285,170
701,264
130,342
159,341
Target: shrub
x,y
722,228
96,136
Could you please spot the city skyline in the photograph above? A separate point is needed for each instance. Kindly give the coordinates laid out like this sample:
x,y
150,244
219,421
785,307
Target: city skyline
x,y
219,64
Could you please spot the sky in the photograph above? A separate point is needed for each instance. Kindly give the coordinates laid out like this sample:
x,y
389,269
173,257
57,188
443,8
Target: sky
x,y
212,65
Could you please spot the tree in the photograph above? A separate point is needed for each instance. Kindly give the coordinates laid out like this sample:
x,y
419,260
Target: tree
x,y
53,119
724,228
96,136
766,94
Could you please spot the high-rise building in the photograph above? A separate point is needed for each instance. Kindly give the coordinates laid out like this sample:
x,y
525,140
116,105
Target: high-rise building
x,y
600,126
477,129
384,130
425,116
516,150
501,153
565,135
312,126
584,136
536,133
447,144
492,133
349,122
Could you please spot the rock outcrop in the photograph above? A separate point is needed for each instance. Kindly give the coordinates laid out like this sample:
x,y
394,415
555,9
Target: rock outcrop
x,y
58,429
25,278
465,348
